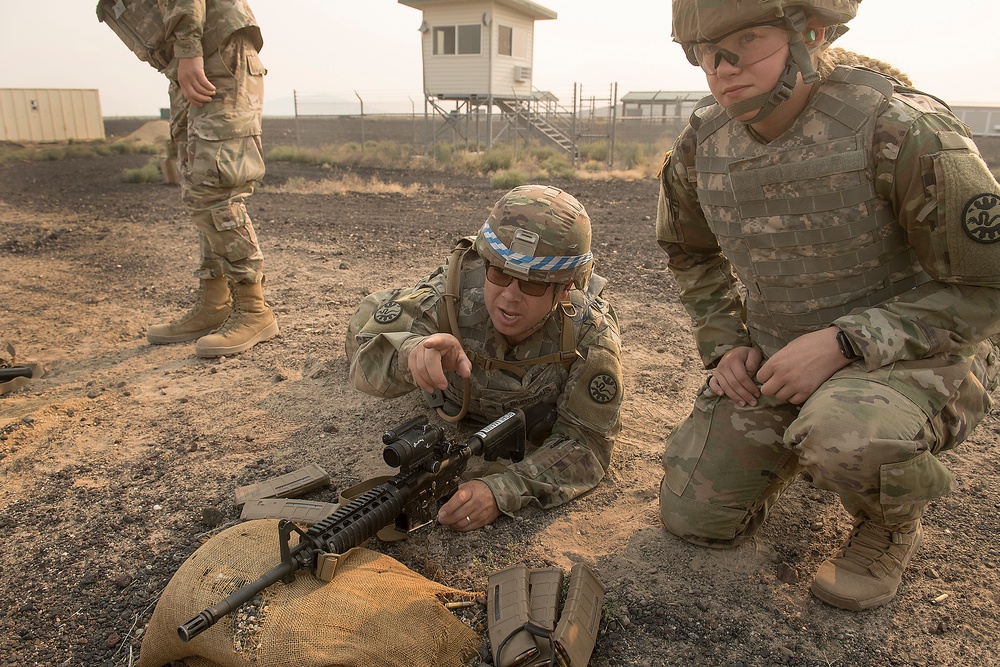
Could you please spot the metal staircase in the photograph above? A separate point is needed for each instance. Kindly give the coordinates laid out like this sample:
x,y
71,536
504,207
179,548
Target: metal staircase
x,y
557,128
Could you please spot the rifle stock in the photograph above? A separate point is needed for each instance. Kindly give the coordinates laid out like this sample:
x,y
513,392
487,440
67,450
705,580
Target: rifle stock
x,y
430,471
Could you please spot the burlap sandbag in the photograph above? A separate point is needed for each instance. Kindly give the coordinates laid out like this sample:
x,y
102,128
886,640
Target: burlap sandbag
x,y
8,358
374,612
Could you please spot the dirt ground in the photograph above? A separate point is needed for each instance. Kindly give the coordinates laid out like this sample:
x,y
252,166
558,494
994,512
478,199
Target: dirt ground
x,y
124,457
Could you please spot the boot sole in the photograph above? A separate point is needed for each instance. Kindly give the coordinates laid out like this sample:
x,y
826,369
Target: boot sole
x,y
153,339
268,332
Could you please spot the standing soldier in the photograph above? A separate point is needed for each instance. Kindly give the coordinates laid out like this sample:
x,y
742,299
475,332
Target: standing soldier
x,y
853,342
208,51
514,320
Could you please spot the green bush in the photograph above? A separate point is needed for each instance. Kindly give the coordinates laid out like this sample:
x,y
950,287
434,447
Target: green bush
x,y
594,152
149,173
285,153
497,158
443,153
506,179
558,166
629,156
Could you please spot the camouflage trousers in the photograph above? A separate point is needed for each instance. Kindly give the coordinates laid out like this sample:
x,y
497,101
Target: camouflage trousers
x,y
220,159
857,435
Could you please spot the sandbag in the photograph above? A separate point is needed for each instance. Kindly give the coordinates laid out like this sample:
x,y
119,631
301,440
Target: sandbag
x,y
373,612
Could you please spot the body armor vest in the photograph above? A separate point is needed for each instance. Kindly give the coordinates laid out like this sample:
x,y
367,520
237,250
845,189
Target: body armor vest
x,y
799,218
140,25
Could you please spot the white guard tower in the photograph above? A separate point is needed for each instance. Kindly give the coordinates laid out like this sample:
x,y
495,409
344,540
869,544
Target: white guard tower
x,y
479,53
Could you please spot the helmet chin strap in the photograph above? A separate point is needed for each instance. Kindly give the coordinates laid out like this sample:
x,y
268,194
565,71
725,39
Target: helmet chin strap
x,y
799,60
556,301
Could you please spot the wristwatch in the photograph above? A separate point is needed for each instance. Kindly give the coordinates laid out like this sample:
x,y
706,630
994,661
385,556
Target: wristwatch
x,y
846,347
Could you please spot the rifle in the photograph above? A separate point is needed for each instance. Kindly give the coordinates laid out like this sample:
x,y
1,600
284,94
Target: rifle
x,y
430,470
11,372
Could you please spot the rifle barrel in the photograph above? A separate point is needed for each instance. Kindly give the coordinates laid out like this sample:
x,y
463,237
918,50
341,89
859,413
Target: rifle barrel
x,y
12,372
210,616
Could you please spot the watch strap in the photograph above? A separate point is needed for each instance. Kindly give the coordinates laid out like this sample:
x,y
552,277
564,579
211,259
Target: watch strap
x,y
846,346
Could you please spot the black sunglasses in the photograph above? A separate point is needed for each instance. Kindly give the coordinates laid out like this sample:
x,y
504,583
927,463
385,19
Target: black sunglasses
x,y
501,279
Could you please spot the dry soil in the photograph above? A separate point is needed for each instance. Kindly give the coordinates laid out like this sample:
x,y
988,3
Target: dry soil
x,y
118,463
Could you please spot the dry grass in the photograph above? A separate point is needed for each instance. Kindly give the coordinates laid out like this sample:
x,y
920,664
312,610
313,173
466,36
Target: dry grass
x,y
344,185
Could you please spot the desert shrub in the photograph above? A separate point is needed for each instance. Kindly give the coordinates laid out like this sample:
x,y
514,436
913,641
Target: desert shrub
x,y
629,156
148,173
286,153
496,158
594,151
558,166
443,153
298,185
506,179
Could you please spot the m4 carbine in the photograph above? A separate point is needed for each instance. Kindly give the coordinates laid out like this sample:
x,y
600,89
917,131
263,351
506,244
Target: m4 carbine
x,y
11,372
430,470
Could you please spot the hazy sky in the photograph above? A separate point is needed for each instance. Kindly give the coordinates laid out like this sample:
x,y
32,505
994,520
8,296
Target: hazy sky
x,y
340,48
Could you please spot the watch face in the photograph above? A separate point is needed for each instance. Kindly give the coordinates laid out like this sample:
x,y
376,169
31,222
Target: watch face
x,y
846,348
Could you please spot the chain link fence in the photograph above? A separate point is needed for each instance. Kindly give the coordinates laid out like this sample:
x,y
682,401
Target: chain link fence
x,y
594,122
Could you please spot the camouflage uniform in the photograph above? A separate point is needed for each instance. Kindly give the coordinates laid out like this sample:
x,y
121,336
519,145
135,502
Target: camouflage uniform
x,y
218,143
587,393
875,213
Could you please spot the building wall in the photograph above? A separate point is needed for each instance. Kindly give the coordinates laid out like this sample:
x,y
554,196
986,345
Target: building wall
x,y
41,115
505,83
462,76
984,120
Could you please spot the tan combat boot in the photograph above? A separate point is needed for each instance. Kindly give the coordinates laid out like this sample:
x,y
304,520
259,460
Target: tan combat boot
x,y
208,314
250,322
867,570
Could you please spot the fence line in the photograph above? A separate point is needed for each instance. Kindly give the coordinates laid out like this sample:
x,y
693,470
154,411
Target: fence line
x,y
591,119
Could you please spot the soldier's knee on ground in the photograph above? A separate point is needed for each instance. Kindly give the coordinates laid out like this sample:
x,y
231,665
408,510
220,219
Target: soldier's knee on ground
x,y
706,524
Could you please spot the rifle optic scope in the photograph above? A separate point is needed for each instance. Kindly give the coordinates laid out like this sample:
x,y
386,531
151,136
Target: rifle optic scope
x,y
411,445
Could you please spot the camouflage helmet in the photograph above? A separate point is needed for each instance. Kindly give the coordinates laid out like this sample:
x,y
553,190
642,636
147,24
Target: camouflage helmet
x,y
539,233
706,20
711,20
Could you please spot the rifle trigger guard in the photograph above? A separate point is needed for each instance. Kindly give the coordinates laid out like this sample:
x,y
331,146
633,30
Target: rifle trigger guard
x,y
285,529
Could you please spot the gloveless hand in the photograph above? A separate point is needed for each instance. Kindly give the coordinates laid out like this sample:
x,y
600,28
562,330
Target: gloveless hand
x,y
798,369
434,356
195,86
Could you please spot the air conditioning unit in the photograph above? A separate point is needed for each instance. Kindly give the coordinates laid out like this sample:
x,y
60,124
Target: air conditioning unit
x,y
522,73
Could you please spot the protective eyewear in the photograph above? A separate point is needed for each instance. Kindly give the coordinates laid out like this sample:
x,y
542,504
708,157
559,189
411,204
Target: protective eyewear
x,y
501,279
740,48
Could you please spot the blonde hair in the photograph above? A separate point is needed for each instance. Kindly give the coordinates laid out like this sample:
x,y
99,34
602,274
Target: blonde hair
x,y
829,59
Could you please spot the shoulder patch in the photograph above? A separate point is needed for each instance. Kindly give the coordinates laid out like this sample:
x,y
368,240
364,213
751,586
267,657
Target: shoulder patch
x,y
603,388
388,312
981,218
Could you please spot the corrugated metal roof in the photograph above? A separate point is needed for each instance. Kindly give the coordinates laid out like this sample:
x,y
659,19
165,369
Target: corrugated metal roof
x,y
660,96
531,9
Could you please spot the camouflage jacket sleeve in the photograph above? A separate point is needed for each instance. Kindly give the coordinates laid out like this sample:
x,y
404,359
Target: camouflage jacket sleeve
x,y
184,21
948,202
575,457
708,288
393,328
200,27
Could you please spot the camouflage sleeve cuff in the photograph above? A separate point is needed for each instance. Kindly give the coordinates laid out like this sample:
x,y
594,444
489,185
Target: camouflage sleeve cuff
x,y
403,349
186,37
508,491
187,49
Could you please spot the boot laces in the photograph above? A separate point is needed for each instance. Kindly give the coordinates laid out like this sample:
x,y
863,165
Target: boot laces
x,y
189,315
878,548
235,313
